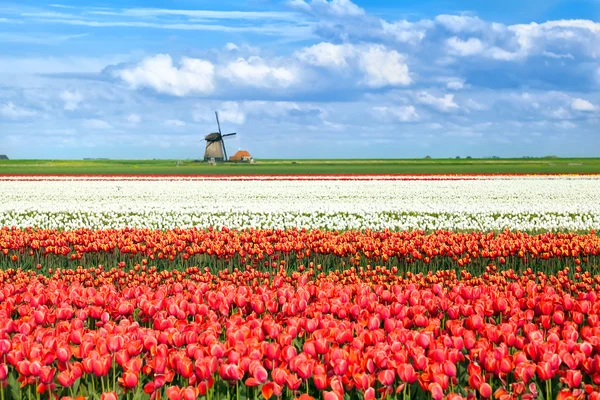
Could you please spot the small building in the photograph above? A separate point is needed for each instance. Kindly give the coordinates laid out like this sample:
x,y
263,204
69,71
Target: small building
x,y
241,155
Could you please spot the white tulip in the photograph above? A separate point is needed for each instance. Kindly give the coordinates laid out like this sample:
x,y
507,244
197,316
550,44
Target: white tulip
x,y
484,203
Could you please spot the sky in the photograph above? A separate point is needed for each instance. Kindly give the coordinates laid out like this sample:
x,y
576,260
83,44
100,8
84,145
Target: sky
x,y
300,78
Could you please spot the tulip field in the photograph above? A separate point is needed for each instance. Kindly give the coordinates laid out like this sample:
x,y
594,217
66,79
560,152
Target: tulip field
x,y
330,287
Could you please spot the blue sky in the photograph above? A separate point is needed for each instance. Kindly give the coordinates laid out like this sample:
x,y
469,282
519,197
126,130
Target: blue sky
x,y
300,78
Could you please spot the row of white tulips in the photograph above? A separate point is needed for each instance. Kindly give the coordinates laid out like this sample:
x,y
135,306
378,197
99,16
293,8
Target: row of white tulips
x,y
524,203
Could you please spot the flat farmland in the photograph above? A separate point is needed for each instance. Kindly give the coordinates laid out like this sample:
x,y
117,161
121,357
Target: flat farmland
x,y
304,167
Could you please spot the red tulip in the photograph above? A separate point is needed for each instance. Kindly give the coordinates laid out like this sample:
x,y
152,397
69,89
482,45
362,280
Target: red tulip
x,y
485,390
407,373
173,393
331,396
3,372
436,391
573,378
129,380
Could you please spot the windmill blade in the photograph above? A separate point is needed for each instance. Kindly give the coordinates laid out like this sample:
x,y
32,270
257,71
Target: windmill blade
x,y
224,151
229,134
218,123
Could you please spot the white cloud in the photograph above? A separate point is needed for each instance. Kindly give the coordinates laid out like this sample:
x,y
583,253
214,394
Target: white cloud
x,y
444,104
559,39
474,105
384,67
158,72
582,105
402,113
379,65
231,47
460,23
406,32
254,71
10,110
299,5
174,122
455,84
96,124
337,8
71,99
326,55
464,48
230,112
134,118
559,113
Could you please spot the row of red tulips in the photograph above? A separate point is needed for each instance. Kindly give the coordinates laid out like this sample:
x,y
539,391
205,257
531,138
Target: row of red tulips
x,y
226,249
359,333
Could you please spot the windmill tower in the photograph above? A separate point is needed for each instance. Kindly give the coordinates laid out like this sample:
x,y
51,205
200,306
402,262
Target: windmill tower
x,y
215,147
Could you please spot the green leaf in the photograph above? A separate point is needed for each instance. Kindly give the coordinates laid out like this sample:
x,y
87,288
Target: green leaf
x,y
139,394
76,386
14,386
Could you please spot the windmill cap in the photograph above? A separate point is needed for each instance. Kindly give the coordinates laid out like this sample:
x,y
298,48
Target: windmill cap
x,y
211,136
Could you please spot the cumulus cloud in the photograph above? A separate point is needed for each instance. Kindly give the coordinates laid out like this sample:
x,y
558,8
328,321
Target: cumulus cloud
x,y
402,113
339,8
460,23
469,47
327,55
379,65
299,5
230,112
404,31
71,99
254,71
12,111
336,8
159,73
582,105
444,104
560,40
455,84
383,67
98,124
231,47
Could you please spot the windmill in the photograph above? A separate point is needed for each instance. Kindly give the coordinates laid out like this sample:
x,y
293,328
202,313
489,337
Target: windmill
x,y
215,147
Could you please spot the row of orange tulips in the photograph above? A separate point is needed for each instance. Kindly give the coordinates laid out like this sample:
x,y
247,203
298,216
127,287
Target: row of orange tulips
x,y
227,249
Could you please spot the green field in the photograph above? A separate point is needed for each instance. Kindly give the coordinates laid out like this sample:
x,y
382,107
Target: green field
x,y
299,167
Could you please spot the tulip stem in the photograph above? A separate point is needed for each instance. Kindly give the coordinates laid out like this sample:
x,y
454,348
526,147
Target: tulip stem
x,y
114,374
